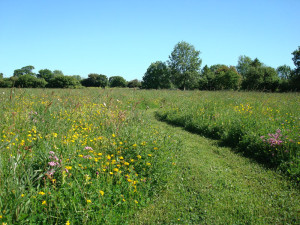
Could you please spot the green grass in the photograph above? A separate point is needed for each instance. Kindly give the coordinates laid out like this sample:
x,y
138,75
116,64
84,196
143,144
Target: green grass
x,y
213,185
260,125
136,169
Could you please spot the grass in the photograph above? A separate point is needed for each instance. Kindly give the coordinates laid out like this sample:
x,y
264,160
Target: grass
x,y
100,156
213,185
263,126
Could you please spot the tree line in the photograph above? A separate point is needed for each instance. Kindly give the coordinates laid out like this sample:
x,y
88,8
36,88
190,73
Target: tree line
x,y
45,78
181,71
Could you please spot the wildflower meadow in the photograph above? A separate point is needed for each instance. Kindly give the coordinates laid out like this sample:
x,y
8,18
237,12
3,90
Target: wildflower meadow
x,y
93,156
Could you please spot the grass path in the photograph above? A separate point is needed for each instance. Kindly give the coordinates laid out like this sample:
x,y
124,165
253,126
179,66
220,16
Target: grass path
x,y
212,185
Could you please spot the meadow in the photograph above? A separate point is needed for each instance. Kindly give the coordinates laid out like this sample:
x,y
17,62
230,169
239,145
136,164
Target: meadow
x,y
82,156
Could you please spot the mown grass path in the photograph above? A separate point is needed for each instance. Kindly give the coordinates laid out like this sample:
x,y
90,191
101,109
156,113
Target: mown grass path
x,y
213,185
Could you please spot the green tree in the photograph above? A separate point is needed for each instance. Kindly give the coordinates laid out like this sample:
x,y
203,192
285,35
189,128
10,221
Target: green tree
x,y
244,64
57,73
95,80
1,75
261,78
26,70
45,74
207,78
284,72
63,82
28,81
157,76
134,84
117,81
295,78
77,77
227,78
185,63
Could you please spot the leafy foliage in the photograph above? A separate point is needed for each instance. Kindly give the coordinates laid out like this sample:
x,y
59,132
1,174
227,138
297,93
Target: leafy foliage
x,y
117,81
134,84
26,70
157,76
63,82
95,80
185,63
45,74
28,81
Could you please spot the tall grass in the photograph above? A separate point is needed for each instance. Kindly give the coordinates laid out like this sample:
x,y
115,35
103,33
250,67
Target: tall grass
x,y
77,156
261,125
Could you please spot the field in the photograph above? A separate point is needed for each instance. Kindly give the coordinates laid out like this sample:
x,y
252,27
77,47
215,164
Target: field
x,y
101,156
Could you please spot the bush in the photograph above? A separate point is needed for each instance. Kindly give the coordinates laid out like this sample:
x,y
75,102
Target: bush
x,y
28,81
63,82
134,84
95,80
117,81
6,83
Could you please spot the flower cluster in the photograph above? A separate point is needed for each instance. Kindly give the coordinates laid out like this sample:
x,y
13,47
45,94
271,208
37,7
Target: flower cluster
x,y
274,139
54,164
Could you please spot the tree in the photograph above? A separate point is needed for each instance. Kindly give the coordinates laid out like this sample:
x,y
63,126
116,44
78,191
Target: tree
x,y
261,78
206,79
63,82
227,78
295,78
134,84
77,77
117,81
28,81
26,70
296,59
284,72
157,76
95,80
244,63
57,73
46,74
185,63
1,75
256,63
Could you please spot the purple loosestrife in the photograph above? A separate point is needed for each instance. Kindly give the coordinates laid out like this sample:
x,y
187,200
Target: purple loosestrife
x,y
274,139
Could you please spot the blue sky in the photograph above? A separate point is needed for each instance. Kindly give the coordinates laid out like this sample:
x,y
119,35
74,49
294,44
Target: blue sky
x,y
123,37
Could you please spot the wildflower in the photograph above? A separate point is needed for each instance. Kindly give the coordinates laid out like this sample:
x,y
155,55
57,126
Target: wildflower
x,y
148,164
113,135
52,163
41,193
88,148
51,153
136,202
68,167
22,195
101,193
139,157
88,201
68,222
149,155
126,163
134,145
44,202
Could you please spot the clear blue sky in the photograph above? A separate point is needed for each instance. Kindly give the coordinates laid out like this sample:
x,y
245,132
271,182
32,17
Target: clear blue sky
x,y
123,37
